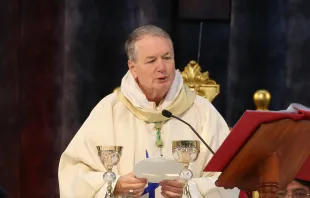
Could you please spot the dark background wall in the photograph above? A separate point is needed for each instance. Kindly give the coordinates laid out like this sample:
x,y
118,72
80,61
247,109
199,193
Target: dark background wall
x,y
58,58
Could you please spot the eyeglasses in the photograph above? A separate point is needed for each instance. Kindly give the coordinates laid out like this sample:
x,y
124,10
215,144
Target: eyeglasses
x,y
300,193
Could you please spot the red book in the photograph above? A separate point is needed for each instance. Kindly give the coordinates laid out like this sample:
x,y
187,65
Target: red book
x,y
244,129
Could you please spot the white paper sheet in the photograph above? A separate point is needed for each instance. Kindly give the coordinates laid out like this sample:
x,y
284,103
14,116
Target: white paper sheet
x,y
157,169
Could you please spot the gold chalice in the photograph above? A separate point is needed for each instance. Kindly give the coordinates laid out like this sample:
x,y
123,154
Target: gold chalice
x,y
109,156
186,152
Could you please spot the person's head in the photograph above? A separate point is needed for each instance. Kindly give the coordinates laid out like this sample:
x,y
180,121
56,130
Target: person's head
x,y
151,61
296,189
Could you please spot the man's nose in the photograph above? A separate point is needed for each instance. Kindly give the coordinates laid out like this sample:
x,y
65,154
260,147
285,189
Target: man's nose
x,y
289,195
161,66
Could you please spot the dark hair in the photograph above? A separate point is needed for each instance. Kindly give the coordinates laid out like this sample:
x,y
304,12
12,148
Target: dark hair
x,y
303,182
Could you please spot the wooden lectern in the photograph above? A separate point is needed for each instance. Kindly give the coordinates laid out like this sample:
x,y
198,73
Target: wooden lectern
x,y
265,151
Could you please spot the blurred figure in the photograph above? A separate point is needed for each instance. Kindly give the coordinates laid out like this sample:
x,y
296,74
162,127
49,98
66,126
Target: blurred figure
x,y
296,189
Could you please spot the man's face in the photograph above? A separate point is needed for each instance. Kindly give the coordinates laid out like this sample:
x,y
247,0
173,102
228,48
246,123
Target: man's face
x,y
296,190
153,68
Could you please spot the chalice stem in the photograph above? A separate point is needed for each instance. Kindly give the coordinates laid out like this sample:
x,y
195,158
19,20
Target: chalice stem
x,y
186,192
109,193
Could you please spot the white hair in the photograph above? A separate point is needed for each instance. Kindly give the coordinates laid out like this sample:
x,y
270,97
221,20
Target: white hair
x,y
138,34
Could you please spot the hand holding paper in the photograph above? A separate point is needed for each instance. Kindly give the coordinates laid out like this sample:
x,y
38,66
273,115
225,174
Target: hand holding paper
x,y
129,184
172,188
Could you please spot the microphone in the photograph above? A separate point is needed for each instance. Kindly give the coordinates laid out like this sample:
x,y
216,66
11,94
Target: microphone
x,y
168,114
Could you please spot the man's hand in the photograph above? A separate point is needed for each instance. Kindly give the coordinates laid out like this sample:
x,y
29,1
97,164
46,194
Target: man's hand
x,y
171,188
129,184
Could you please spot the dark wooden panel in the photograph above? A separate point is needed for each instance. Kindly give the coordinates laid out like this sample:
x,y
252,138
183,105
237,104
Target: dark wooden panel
x,y
204,9
9,97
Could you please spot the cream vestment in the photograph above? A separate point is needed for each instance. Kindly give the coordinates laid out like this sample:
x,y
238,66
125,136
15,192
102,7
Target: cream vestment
x,y
127,119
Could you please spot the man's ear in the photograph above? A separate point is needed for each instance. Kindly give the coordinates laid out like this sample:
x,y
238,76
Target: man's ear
x,y
132,68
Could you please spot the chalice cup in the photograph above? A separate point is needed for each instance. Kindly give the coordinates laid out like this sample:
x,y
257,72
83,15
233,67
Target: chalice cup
x,y
186,152
109,156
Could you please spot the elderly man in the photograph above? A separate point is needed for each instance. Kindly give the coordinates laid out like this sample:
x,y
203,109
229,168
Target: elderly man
x,y
132,118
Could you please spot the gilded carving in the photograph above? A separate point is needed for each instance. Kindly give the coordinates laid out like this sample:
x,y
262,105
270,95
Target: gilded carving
x,y
200,82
